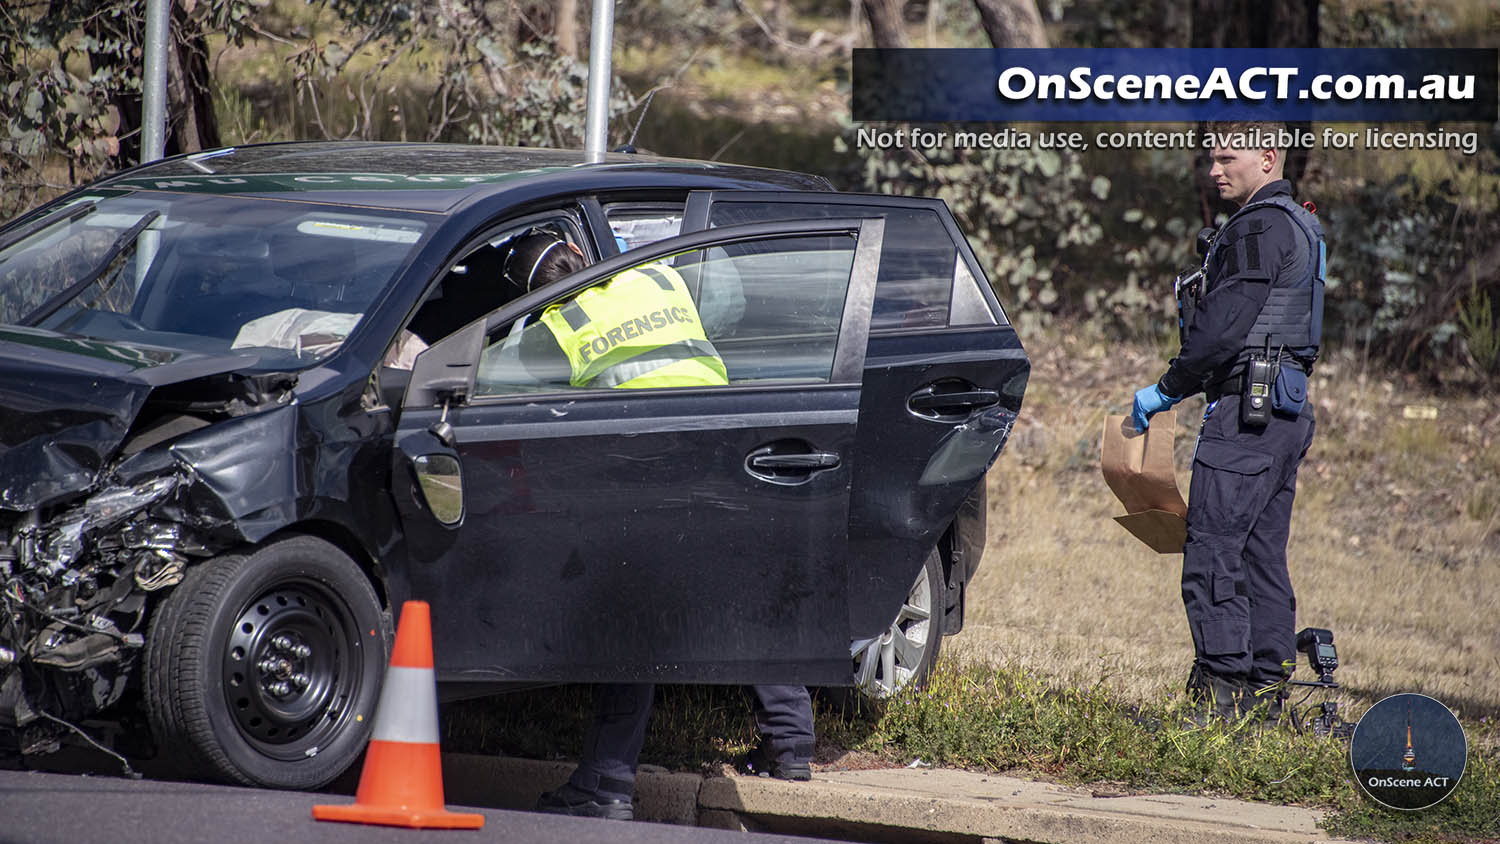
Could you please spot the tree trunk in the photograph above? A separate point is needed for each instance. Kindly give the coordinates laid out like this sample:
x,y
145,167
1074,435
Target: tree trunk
x,y
190,99
885,22
1012,23
566,28
191,122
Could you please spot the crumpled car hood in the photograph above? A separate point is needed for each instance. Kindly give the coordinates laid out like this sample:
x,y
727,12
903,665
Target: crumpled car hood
x,y
67,404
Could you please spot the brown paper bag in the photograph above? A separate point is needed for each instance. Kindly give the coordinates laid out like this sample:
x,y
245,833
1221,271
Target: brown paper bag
x,y
1139,470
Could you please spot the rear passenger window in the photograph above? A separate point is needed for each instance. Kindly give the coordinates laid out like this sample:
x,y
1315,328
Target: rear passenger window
x,y
635,225
915,282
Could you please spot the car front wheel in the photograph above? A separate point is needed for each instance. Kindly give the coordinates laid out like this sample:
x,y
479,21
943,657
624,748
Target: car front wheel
x,y
906,651
264,668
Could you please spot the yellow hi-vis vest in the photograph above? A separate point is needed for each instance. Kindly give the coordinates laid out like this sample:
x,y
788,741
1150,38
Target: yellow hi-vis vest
x,y
639,329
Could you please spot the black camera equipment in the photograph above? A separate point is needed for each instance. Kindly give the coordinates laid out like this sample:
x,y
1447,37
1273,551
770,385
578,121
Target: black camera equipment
x,y
1322,658
1205,240
1187,288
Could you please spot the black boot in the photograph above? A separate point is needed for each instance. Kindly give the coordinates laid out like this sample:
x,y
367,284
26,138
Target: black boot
x,y
1213,697
1265,702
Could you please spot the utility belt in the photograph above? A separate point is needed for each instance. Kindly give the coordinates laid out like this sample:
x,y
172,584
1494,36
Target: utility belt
x,y
1265,385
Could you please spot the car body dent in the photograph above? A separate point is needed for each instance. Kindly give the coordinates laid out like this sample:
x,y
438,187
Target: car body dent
x,y
71,403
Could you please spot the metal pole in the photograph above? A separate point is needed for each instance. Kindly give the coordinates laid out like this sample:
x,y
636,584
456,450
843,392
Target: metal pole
x,y
601,43
154,81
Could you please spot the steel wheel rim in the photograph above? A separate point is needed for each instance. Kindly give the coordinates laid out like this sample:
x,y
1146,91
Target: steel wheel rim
x,y
886,663
291,669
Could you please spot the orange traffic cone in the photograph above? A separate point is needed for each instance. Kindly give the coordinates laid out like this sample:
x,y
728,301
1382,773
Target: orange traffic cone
x,y
402,781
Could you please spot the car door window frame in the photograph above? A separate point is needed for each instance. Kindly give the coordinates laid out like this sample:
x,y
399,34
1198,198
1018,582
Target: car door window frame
x,y
699,210
453,363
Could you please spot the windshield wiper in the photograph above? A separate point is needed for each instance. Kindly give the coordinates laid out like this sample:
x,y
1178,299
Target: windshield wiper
x,y
117,251
72,213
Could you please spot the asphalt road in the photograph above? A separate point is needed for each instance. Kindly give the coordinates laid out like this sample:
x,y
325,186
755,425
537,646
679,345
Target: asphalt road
x,y
43,808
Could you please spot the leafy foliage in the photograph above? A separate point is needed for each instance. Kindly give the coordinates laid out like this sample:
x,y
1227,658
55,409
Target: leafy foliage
x,y
1403,251
55,109
495,75
1476,321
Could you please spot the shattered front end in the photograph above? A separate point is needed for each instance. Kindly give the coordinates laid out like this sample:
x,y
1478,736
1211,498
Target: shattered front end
x,y
75,603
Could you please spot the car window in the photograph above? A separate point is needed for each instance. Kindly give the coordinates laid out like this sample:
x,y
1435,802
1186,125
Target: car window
x,y
635,225
969,305
207,273
475,284
762,311
916,273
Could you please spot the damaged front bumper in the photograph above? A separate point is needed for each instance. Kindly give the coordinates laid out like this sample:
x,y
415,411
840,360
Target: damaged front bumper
x,y
74,595
172,473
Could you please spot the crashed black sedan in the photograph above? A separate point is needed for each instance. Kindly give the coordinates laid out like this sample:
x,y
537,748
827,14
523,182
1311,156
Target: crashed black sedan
x,y
253,399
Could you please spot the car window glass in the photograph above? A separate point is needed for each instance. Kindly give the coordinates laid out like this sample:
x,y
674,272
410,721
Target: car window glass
x,y
475,284
969,305
211,273
48,262
763,311
915,279
635,226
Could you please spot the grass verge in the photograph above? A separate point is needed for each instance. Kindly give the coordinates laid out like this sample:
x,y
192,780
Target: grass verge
x,y
1015,720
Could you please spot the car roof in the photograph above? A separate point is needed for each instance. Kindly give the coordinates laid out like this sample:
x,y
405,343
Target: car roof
x,y
429,177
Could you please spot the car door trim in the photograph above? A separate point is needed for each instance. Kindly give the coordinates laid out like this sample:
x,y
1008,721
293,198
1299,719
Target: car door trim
x,y
659,425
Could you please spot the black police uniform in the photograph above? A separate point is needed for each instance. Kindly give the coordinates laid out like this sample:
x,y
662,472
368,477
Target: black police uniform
x,y
783,717
1263,282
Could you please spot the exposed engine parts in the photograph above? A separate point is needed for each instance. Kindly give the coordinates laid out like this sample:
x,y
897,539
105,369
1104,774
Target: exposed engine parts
x,y
73,586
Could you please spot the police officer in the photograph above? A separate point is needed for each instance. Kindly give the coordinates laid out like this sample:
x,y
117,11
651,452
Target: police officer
x,y
664,345
1251,344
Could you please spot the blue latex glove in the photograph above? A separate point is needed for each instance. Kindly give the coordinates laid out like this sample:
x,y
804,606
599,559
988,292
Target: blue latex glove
x,y
1148,402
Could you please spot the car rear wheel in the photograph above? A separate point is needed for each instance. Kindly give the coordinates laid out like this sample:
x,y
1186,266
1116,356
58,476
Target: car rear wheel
x,y
905,652
264,668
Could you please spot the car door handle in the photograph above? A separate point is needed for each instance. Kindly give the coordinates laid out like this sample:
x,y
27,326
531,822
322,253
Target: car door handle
x,y
808,462
789,462
928,402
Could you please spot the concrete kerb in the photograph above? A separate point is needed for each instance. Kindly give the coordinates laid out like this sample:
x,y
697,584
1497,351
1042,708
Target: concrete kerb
x,y
904,805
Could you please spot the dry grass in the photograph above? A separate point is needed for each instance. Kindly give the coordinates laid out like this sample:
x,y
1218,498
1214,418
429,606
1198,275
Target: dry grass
x,y
1395,537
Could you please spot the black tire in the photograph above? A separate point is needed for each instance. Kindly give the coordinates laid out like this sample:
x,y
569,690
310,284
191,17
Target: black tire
x,y
927,588
213,662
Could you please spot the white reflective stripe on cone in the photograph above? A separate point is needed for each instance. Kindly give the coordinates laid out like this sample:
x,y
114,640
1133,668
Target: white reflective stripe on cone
x,y
408,707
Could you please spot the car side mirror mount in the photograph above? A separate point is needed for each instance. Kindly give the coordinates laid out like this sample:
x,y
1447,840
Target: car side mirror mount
x,y
444,373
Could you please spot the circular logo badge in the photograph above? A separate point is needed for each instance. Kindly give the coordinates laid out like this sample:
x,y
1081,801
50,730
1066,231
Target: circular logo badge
x,y
1408,752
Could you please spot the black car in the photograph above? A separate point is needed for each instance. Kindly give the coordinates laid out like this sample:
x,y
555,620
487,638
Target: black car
x,y
253,399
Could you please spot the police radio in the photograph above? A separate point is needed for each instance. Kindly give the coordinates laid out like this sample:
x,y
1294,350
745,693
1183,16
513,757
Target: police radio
x,y
1255,402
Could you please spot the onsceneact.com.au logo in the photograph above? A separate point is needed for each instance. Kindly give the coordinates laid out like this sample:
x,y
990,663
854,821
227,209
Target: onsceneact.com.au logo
x,y
1178,85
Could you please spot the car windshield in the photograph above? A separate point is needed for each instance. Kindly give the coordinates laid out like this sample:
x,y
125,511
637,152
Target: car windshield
x,y
287,280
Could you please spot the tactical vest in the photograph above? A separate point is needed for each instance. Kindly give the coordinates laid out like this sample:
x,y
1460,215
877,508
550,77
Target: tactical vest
x,y
1292,317
640,329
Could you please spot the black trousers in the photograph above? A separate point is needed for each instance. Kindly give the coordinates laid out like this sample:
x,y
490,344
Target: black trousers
x,y
1235,583
783,716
